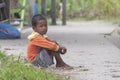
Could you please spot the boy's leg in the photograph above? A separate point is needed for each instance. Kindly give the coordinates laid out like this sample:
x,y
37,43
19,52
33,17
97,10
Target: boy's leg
x,y
43,59
59,61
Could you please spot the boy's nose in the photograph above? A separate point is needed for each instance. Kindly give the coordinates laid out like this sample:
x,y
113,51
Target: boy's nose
x,y
44,28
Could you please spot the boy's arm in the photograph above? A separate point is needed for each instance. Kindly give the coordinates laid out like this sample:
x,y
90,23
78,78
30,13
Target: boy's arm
x,y
51,40
61,49
43,42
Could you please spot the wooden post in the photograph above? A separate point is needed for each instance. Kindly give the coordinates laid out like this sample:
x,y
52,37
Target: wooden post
x,y
22,15
31,7
4,10
53,12
43,7
31,10
7,8
64,12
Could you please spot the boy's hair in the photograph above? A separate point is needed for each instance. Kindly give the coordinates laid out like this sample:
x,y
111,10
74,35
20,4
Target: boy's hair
x,y
36,18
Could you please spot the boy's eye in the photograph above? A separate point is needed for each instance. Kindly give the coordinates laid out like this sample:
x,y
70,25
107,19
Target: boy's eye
x,y
42,25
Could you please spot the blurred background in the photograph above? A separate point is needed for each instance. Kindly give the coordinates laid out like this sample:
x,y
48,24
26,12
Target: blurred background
x,y
74,9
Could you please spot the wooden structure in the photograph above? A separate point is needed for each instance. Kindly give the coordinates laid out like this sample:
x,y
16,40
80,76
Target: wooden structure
x,y
20,14
4,10
53,11
5,7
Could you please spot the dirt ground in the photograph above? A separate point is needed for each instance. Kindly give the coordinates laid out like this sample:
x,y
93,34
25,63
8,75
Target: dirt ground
x,y
92,50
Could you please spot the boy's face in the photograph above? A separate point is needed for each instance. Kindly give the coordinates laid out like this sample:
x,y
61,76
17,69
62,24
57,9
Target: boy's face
x,y
41,27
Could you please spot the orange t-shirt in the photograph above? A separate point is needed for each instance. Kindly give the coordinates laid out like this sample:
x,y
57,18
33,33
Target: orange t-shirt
x,y
38,42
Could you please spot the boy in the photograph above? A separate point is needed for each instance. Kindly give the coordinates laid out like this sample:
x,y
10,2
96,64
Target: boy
x,y
41,49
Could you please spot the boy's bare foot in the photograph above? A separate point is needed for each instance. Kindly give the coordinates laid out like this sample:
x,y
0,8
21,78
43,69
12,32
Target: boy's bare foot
x,y
64,66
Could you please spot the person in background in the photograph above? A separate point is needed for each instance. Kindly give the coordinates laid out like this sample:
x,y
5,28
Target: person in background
x,y
8,31
36,7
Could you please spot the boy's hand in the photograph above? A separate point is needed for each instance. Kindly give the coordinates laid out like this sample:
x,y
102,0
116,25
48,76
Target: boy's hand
x,y
62,50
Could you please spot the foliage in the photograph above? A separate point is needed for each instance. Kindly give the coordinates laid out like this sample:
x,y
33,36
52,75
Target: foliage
x,y
100,9
12,68
91,9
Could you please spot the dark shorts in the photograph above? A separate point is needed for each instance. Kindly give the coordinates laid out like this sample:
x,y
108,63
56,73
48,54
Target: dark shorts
x,y
43,59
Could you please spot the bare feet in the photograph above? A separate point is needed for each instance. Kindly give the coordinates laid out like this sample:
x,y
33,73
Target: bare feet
x,y
64,66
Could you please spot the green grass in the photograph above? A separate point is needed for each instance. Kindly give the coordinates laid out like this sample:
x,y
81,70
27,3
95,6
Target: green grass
x,y
12,68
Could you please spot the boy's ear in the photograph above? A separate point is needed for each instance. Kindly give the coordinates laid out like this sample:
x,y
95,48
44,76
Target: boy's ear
x,y
33,27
